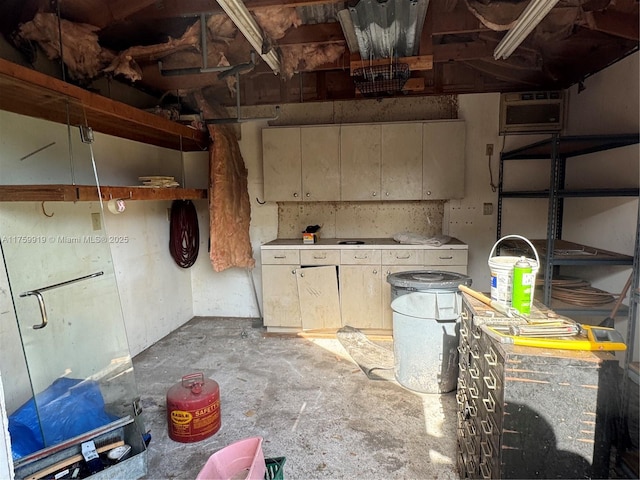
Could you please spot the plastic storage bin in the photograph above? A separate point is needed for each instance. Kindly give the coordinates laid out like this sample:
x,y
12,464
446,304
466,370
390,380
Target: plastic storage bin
x,y
426,308
240,460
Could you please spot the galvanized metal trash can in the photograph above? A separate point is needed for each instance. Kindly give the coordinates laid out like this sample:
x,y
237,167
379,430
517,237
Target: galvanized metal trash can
x,y
426,308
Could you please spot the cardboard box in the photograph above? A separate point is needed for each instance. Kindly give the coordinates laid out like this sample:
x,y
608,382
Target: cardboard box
x,y
310,238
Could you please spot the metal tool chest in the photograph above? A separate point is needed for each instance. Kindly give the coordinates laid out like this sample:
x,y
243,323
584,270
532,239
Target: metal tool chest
x,y
528,412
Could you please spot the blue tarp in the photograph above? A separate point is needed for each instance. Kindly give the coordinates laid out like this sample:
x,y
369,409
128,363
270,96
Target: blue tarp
x,y
66,409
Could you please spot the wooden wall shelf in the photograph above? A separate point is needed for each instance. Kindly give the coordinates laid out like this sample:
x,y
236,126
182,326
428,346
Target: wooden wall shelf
x,y
88,193
28,92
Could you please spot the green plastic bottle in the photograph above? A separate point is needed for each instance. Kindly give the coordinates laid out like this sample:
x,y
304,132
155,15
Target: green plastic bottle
x,y
522,291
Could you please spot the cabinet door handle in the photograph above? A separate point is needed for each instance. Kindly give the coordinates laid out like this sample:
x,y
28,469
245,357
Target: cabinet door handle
x,y
374,194
375,272
295,194
450,257
428,192
308,194
387,194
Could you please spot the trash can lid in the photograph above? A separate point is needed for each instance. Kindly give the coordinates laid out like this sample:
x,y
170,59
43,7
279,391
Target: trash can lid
x,y
428,279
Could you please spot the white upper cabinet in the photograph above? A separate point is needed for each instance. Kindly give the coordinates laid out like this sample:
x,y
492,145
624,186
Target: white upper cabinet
x,y
401,161
282,166
364,162
360,158
443,145
301,163
320,153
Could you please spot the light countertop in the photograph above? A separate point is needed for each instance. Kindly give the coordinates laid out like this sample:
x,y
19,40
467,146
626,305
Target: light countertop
x,y
369,243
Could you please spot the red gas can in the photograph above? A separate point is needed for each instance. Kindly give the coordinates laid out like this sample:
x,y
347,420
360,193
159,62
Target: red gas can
x,y
193,409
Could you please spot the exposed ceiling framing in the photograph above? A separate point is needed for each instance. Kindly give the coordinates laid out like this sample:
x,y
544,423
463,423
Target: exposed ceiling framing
x,y
454,45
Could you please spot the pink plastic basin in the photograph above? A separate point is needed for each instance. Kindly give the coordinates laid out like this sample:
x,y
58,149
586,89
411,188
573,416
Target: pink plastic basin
x,y
242,460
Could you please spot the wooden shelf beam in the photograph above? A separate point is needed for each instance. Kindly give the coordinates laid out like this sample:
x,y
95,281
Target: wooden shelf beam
x,y
89,193
28,92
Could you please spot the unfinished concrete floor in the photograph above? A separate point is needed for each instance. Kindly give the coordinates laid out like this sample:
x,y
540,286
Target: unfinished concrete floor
x,y
306,397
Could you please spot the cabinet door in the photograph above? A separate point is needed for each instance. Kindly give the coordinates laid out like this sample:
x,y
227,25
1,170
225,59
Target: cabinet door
x,y
443,145
361,296
360,162
402,161
280,296
281,164
318,294
320,148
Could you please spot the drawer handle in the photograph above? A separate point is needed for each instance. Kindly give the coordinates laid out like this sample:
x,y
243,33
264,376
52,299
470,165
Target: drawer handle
x,y
485,471
490,381
361,258
489,403
450,257
471,429
491,357
320,257
487,449
279,256
487,428
295,194
471,448
472,411
473,391
403,258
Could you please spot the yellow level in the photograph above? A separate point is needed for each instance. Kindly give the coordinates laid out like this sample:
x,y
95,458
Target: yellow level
x,y
590,338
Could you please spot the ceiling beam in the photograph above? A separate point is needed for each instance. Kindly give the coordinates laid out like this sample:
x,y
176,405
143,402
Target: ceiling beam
x,y
319,33
194,8
463,51
617,24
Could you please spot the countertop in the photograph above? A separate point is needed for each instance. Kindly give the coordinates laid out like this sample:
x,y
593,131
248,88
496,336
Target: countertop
x,y
369,243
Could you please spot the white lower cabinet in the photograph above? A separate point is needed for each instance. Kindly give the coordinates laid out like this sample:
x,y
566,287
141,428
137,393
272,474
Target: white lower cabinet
x,y
280,296
318,296
320,289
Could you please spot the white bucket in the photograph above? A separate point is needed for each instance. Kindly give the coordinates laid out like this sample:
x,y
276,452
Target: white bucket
x,y
502,272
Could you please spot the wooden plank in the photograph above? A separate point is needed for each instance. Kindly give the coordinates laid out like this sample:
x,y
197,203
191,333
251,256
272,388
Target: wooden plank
x,y
32,93
89,193
73,193
313,34
37,193
422,62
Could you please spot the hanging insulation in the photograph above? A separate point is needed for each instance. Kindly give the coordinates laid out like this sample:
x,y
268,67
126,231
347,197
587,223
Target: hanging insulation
x,y
184,235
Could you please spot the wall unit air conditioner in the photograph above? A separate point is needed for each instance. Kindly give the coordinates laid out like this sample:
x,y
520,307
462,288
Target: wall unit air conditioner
x,y
532,112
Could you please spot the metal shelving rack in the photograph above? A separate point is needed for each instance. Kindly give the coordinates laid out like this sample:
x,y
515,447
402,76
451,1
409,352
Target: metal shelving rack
x,y
557,149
